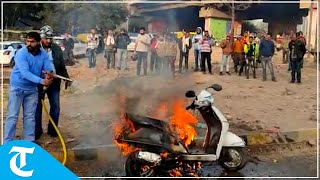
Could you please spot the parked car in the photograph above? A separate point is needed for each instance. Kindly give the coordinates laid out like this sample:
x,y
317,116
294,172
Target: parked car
x,y
79,47
8,50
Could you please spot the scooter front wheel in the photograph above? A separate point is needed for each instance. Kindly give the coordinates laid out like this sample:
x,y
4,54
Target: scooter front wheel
x,y
232,159
136,167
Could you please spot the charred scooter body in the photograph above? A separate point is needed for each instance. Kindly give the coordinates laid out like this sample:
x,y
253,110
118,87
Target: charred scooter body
x,y
154,137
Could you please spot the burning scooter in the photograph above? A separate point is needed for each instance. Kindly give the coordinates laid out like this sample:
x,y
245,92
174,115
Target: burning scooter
x,y
158,148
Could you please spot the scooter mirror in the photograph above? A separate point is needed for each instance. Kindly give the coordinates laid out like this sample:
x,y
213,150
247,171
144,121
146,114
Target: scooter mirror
x,y
190,94
217,87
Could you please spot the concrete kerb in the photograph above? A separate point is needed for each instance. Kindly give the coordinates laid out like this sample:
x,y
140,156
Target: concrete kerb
x,y
105,153
263,138
111,153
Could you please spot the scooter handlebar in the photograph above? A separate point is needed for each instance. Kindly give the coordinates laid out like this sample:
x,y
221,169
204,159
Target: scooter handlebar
x,y
191,106
188,107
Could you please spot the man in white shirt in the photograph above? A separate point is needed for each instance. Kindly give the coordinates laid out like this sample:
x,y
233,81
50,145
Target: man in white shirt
x,y
109,42
141,48
185,45
93,42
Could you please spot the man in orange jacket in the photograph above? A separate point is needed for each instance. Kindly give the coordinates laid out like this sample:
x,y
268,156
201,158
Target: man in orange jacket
x,y
238,51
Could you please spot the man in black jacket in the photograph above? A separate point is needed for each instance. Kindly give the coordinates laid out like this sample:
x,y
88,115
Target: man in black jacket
x,y
297,51
53,91
122,41
68,45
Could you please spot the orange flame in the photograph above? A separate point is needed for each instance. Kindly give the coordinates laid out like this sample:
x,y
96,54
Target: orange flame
x,y
164,155
187,169
175,173
123,124
183,122
119,127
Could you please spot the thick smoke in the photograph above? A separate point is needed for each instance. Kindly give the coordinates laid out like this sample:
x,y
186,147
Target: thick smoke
x,y
143,95
138,95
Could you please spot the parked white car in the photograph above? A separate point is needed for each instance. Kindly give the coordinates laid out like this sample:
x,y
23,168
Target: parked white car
x,y
79,49
7,50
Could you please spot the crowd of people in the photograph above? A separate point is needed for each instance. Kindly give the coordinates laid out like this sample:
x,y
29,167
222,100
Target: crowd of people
x,y
33,75
246,52
116,53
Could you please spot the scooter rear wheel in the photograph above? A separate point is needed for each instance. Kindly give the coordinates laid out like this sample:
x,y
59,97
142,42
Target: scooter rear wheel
x,y
233,159
135,167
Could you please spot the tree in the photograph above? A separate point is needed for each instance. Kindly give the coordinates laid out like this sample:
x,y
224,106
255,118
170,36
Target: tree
x,y
248,26
13,11
232,8
66,16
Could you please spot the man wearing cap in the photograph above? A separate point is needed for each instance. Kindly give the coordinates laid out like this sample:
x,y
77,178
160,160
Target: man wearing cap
x,y
226,46
251,50
256,38
30,62
53,91
238,59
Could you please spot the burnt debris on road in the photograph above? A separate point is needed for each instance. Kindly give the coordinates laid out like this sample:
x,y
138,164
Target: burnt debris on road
x,y
265,161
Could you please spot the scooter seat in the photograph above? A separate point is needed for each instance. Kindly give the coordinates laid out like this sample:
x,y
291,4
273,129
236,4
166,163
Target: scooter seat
x,y
146,121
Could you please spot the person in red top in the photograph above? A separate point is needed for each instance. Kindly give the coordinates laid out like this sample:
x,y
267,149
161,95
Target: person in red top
x,y
205,49
302,37
245,37
154,60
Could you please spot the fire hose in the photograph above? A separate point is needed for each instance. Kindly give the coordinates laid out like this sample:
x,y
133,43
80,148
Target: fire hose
x,y
65,153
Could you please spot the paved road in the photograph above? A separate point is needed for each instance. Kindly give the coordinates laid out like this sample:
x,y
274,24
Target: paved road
x,y
295,166
271,161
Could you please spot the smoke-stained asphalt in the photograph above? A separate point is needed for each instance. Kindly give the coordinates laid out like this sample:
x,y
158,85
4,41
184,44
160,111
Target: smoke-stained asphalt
x,y
299,160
